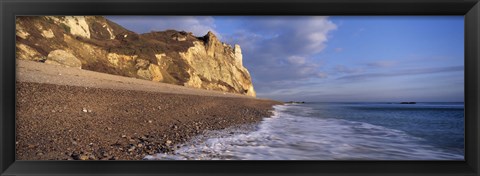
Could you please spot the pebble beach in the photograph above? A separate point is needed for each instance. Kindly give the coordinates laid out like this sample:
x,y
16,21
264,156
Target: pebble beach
x,y
116,118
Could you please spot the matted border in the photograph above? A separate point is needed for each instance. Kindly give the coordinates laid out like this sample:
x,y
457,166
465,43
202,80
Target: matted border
x,y
469,8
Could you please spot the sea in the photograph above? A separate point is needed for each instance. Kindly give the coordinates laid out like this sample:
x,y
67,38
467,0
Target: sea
x,y
337,131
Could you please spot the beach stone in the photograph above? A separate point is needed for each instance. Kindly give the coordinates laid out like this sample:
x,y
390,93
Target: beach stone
x,y
131,148
83,157
64,58
75,156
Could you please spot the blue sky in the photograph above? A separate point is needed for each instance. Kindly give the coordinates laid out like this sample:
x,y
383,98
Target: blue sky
x,y
337,58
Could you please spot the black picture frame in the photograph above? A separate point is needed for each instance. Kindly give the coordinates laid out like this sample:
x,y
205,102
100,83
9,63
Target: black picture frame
x,y
10,8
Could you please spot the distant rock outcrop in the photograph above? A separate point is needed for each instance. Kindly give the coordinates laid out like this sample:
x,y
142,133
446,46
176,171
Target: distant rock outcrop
x,y
60,57
174,57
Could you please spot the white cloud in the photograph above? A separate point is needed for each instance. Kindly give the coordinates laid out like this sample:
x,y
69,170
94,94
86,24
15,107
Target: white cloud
x,y
298,35
315,31
382,64
322,75
267,42
297,60
345,69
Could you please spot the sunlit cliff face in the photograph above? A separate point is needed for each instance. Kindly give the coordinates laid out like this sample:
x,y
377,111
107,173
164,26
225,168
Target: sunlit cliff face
x,y
169,56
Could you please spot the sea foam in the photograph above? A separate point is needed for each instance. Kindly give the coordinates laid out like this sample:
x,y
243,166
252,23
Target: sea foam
x,y
285,136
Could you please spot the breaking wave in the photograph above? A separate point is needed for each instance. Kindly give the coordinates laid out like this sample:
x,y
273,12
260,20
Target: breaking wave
x,y
285,136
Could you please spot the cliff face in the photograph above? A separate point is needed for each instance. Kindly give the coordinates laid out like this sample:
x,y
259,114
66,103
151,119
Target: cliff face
x,y
174,57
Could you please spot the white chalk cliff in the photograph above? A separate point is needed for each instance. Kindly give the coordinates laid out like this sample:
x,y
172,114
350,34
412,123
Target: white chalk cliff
x,y
174,57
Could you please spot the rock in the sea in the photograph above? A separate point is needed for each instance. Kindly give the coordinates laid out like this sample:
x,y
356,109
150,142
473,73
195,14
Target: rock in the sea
x,y
64,58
